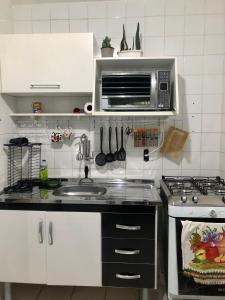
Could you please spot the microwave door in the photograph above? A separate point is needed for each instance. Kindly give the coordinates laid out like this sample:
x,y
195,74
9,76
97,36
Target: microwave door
x,y
127,92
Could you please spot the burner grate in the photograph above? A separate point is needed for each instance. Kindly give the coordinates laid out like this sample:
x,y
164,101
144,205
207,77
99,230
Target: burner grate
x,y
192,185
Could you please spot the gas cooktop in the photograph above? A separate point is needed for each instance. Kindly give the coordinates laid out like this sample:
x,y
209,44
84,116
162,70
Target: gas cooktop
x,y
198,191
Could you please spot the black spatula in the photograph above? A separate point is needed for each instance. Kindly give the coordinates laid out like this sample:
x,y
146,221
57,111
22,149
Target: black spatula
x,y
110,156
117,146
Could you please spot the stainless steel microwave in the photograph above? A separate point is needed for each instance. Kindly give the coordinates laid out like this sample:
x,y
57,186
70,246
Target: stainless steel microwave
x,y
136,91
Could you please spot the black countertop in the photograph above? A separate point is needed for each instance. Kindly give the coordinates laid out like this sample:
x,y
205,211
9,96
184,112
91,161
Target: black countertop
x,y
136,196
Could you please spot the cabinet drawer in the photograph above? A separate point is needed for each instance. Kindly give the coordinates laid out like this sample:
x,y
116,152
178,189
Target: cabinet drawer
x,y
128,250
128,225
128,275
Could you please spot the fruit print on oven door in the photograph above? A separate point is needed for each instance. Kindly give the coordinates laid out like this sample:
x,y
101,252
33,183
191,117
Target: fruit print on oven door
x,y
207,247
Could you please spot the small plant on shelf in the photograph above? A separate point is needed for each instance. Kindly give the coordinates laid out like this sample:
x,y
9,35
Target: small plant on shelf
x,y
107,50
136,46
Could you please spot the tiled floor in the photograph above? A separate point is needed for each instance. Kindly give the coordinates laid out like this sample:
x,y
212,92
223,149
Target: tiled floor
x,y
38,292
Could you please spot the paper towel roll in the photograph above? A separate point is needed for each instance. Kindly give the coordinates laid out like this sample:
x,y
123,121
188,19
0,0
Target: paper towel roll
x,y
88,108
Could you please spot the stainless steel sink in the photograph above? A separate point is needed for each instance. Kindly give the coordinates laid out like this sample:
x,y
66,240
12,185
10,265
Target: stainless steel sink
x,y
80,190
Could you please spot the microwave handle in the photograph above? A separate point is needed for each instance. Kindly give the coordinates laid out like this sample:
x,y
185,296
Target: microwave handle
x,y
156,81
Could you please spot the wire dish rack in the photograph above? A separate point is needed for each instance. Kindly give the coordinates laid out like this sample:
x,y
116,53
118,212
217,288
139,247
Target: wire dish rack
x,y
23,162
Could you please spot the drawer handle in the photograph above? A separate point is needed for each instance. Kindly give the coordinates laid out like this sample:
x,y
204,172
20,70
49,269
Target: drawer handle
x,y
129,277
45,86
127,227
127,252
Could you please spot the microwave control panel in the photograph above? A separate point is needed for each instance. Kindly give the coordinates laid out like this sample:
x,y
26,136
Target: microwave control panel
x,y
164,89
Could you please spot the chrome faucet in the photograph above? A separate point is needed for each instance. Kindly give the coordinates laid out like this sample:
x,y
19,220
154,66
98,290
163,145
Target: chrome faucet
x,y
86,179
86,156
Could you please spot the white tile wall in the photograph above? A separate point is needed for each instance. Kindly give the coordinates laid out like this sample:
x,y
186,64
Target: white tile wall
x,y
192,30
174,25
193,45
40,12
59,26
193,7
78,10
78,25
192,104
214,44
194,25
41,26
96,10
154,26
193,65
59,11
174,45
135,8
213,64
116,9
6,124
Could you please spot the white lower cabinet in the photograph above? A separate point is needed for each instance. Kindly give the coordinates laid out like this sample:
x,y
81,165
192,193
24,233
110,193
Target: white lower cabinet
x,y
56,248
22,248
74,248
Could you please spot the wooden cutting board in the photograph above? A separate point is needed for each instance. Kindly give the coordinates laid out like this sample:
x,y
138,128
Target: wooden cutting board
x,y
174,142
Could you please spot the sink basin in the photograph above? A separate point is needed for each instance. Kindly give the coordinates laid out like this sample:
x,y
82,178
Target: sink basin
x,y
79,190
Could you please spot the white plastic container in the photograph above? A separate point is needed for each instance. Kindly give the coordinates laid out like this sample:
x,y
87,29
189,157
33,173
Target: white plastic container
x,y
130,53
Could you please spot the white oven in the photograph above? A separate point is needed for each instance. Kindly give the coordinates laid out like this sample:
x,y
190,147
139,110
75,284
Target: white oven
x,y
200,201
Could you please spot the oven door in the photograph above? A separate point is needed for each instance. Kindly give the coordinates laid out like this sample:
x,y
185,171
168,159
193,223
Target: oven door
x,y
178,283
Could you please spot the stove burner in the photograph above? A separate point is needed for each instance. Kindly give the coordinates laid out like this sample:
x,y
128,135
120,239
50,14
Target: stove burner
x,y
23,186
220,192
195,185
187,191
26,186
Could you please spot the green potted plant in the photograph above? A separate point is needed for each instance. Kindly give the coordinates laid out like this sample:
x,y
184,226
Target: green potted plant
x,y
135,51
107,50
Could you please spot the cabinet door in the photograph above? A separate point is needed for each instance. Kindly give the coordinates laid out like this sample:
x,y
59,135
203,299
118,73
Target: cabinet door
x,y
22,247
74,248
47,63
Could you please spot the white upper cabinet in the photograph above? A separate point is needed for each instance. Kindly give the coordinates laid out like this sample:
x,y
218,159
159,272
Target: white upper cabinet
x,y
47,63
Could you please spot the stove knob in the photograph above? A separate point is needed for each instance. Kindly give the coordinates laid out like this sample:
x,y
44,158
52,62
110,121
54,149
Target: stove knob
x,y
183,199
195,199
212,214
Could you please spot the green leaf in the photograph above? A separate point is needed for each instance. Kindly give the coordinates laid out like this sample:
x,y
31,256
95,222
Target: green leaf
x,y
137,38
123,43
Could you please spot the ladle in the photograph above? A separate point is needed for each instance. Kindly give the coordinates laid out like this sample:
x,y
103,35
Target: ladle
x,y
100,159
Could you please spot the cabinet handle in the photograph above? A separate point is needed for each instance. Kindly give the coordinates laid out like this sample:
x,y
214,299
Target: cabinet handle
x,y
45,86
123,276
50,237
127,252
127,227
40,232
